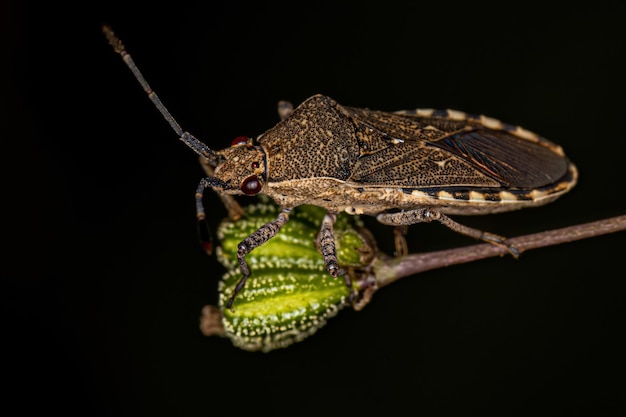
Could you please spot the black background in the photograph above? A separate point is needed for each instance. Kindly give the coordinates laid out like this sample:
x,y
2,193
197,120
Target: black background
x,y
103,280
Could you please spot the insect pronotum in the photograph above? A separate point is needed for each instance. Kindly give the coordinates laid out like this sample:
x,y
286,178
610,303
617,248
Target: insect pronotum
x,y
403,167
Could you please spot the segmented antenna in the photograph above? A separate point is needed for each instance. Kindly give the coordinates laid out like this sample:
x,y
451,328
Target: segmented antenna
x,y
189,140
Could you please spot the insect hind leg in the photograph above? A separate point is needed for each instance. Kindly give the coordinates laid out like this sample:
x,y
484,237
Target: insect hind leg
x,y
426,215
399,239
285,108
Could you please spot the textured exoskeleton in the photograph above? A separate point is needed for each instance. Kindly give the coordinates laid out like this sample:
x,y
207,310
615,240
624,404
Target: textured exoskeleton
x,y
403,167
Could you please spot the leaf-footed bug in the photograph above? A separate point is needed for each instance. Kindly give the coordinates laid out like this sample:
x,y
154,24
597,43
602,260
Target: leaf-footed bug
x,y
403,167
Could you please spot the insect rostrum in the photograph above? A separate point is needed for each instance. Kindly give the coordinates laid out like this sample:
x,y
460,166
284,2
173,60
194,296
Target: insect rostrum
x,y
403,167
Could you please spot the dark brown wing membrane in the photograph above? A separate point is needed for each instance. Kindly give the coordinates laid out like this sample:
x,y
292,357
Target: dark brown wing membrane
x,y
412,151
510,160
394,151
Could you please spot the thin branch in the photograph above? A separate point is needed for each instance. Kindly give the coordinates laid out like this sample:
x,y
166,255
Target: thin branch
x,y
387,270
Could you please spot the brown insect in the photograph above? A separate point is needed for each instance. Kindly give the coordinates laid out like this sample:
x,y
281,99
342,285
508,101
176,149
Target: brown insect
x,y
403,167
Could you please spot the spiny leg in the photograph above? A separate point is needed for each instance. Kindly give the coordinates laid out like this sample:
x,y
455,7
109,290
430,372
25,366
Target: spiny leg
x,y
203,229
256,239
426,215
326,244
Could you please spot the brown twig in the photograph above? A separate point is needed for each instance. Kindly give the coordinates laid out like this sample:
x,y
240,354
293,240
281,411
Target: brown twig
x,y
387,270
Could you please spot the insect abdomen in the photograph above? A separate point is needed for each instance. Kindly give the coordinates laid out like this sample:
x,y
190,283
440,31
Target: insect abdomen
x,y
453,200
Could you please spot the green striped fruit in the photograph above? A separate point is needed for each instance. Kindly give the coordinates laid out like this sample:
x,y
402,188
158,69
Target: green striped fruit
x,y
289,294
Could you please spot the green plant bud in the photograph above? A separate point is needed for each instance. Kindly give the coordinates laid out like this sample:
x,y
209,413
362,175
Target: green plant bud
x,y
289,294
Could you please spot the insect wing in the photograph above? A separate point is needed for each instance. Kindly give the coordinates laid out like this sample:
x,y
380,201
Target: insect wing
x,y
512,161
416,165
420,152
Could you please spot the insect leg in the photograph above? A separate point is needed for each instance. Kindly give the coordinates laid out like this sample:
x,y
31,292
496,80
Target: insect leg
x,y
284,109
426,215
326,244
203,228
234,209
399,233
256,239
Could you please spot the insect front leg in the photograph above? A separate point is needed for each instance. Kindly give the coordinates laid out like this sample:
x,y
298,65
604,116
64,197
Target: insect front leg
x,y
203,228
256,239
326,245
234,209
426,215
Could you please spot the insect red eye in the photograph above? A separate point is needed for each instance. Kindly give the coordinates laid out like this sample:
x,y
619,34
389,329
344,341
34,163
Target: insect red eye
x,y
255,165
251,185
239,140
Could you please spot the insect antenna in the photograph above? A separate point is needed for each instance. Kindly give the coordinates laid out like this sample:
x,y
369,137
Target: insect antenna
x,y
196,145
